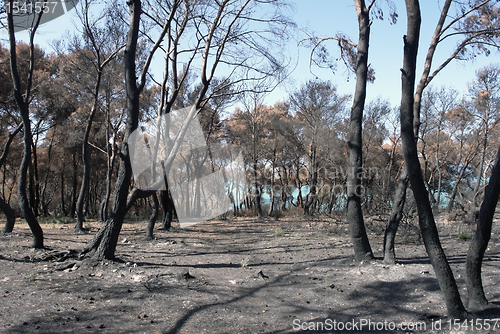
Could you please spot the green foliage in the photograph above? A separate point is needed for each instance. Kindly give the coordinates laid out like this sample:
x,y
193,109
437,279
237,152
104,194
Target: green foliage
x,y
464,236
279,232
244,263
32,277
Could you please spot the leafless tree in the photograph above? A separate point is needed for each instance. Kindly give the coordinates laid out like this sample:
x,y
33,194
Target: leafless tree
x,y
219,35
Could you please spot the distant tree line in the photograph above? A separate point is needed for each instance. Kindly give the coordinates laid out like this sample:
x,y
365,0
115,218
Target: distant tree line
x,y
297,147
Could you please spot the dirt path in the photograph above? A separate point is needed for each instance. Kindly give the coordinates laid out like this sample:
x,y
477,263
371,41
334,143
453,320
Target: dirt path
x,y
235,276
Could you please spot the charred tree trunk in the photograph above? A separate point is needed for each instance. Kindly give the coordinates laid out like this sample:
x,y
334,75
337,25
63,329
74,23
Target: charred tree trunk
x,y
105,241
480,240
33,198
10,216
395,218
63,194
152,218
333,199
84,187
312,196
273,167
9,213
22,101
472,212
100,64
168,209
455,188
257,190
359,238
136,194
398,205
111,162
43,202
21,189
72,207
141,194
427,224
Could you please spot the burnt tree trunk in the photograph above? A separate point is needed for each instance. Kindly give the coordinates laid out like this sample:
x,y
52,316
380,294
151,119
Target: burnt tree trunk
x,y
257,198
480,240
43,202
22,101
312,196
21,188
273,195
84,187
152,218
401,190
111,152
472,211
105,241
10,216
63,194
395,218
359,238
9,213
455,187
427,224
141,194
32,180
168,209
72,207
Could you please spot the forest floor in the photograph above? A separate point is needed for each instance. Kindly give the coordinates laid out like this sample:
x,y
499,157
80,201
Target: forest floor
x,y
234,276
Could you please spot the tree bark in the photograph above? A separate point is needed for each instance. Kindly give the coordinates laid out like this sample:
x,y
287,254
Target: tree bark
x,y
141,194
10,216
33,180
43,202
359,238
9,213
168,209
84,187
455,188
479,242
136,194
257,198
22,101
72,207
271,205
63,194
426,218
111,152
472,213
152,218
395,218
312,196
106,238
397,209
21,189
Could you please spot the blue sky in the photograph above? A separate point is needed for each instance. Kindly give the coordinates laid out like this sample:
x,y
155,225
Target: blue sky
x,y
326,18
